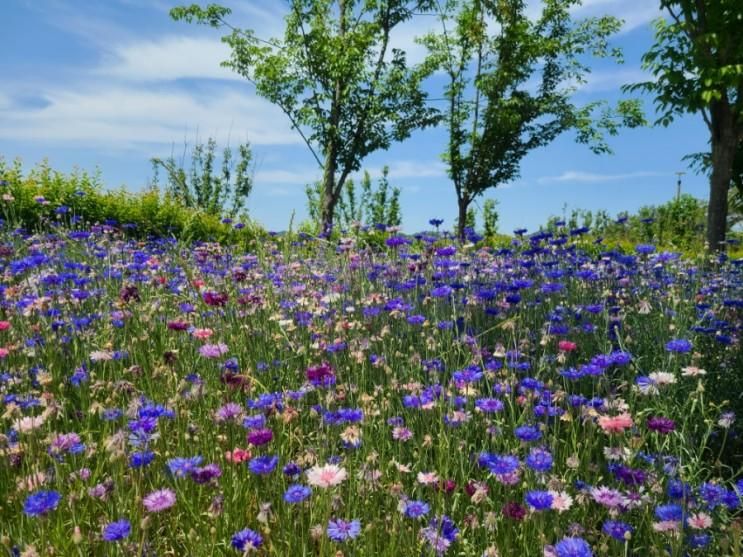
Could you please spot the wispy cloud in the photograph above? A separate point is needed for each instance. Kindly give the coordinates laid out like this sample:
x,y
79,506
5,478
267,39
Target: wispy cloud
x,y
130,116
167,59
577,176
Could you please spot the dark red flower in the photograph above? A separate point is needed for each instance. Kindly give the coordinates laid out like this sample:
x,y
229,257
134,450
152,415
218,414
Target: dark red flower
x,y
513,510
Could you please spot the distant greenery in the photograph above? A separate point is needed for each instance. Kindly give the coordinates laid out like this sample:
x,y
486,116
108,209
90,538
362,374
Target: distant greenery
x,y
42,198
369,205
220,193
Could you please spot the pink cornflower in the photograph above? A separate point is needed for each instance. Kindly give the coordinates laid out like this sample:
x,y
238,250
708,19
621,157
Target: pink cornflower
x,y
4,325
566,346
202,334
238,455
213,350
428,478
699,521
326,476
159,500
608,497
561,501
616,424
400,433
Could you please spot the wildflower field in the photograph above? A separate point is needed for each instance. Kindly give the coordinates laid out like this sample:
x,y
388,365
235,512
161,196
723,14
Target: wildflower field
x,y
419,398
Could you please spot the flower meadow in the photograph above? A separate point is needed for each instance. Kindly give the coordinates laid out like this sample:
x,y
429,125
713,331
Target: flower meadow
x,y
418,398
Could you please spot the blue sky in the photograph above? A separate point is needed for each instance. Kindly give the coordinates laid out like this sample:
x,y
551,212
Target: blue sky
x,y
111,83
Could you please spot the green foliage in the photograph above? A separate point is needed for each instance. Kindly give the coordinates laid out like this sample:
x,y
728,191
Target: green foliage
x,y
697,68
369,205
490,218
345,90
494,115
32,200
222,193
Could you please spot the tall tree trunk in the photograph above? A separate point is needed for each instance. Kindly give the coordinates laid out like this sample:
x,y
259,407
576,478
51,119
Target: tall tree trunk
x,y
329,198
724,146
330,190
463,204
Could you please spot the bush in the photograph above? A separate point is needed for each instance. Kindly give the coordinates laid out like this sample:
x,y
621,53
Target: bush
x,y
44,198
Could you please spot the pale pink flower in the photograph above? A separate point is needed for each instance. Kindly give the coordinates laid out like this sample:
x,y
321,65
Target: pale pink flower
x,y
159,500
616,424
699,521
428,478
608,497
326,476
202,334
666,526
561,501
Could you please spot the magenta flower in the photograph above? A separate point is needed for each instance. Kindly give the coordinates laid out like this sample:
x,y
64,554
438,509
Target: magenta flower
x,y
661,424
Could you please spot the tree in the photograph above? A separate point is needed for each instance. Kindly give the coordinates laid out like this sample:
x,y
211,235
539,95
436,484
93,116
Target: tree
x,y
509,82
222,193
345,90
490,218
697,65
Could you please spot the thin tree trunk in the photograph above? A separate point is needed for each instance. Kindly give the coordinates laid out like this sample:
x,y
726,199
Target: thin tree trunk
x,y
463,205
724,146
329,199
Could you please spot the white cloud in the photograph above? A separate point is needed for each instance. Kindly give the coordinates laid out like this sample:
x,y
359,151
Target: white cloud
x,y
635,13
404,169
128,116
577,176
279,176
168,58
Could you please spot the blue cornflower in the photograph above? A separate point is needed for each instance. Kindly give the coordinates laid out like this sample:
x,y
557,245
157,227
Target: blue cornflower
x,y
340,530
116,531
41,502
539,500
489,405
679,345
617,529
292,469
297,493
528,433
141,459
246,539
573,547
415,509
182,467
671,511
263,465
539,460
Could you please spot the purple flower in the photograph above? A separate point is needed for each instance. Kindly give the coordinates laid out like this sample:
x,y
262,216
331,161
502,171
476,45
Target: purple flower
x,y
573,547
489,405
260,437
539,460
116,531
617,529
661,424
415,509
340,530
206,474
182,467
247,539
159,500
